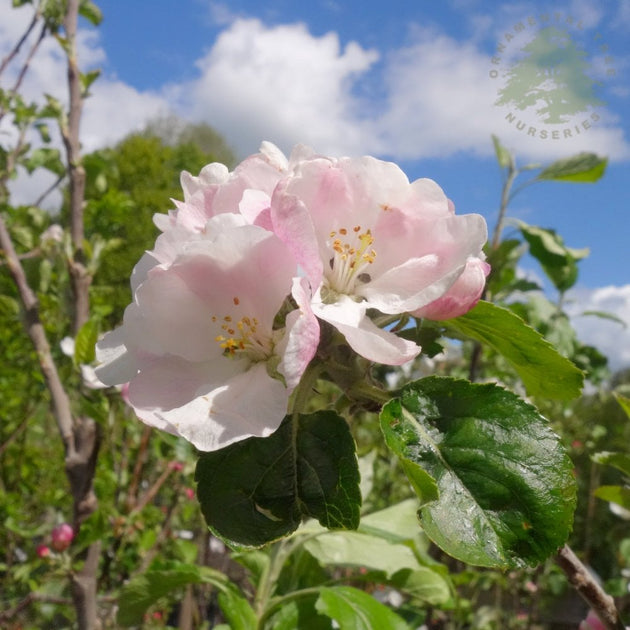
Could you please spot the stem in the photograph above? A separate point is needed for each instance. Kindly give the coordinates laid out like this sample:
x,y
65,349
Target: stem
x,y
590,591
363,390
302,392
505,200
81,279
285,599
269,577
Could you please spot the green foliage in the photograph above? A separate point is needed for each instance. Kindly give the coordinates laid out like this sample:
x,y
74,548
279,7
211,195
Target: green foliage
x,y
144,590
528,352
506,489
306,468
583,167
356,610
558,261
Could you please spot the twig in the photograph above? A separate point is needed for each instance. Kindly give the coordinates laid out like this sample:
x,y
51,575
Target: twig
x,y
38,202
81,279
588,588
16,49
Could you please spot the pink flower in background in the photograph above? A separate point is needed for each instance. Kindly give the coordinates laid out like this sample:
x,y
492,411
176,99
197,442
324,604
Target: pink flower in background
x,y
367,238
61,537
200,345
42,551
592,622
463,294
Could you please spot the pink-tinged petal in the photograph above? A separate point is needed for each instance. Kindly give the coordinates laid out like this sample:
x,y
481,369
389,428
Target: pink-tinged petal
x,y
117,364
301,337
293,225
422,279
249,263
250,404
462,296
363,336
169,382
172,318
428,198
274,156
253,204
211,174
142,268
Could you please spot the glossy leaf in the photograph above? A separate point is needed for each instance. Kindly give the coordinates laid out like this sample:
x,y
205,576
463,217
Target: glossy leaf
x,y
506,485
543,370
353,609
583,167
260,489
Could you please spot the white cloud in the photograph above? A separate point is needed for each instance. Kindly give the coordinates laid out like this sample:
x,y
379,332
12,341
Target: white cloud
x,y
442,100
609,337
279,83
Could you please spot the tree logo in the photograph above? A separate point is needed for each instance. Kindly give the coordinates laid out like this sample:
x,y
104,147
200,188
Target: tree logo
x,y
551,88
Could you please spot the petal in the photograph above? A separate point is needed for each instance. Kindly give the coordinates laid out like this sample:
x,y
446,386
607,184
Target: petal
x,y
170,382
363,336
442,250
301,338
225,415
462,296
117,364
293,225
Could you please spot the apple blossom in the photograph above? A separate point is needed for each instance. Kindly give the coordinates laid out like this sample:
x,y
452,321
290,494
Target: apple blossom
x,y
201,346
367,238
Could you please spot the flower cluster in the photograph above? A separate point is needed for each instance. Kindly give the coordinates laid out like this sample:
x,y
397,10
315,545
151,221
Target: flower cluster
x,y
227,306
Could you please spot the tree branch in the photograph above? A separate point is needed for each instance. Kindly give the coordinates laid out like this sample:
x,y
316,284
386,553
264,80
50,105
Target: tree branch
x,y
588,588
81,279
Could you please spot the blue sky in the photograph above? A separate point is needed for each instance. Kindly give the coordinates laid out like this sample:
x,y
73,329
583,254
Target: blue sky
x,y
407,81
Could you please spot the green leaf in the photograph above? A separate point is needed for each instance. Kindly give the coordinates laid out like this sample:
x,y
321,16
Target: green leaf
x,y
620,461
605,315
86,80
424,585
507,491
624,401
543,370
237,611
90,12
504,157
84,343
44,131
583,167
353,609
614,494
44,157
144,590
259,489
558,261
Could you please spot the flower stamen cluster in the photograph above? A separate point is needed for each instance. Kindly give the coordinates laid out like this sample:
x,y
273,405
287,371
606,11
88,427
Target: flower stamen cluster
x,y
351,256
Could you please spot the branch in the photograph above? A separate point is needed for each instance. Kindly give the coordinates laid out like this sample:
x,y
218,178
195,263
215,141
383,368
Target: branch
x,y
590,591
16,49
81,279
37,334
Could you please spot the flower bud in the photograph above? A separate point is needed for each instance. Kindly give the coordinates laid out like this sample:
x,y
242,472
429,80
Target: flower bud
x,y
61,537
43,551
